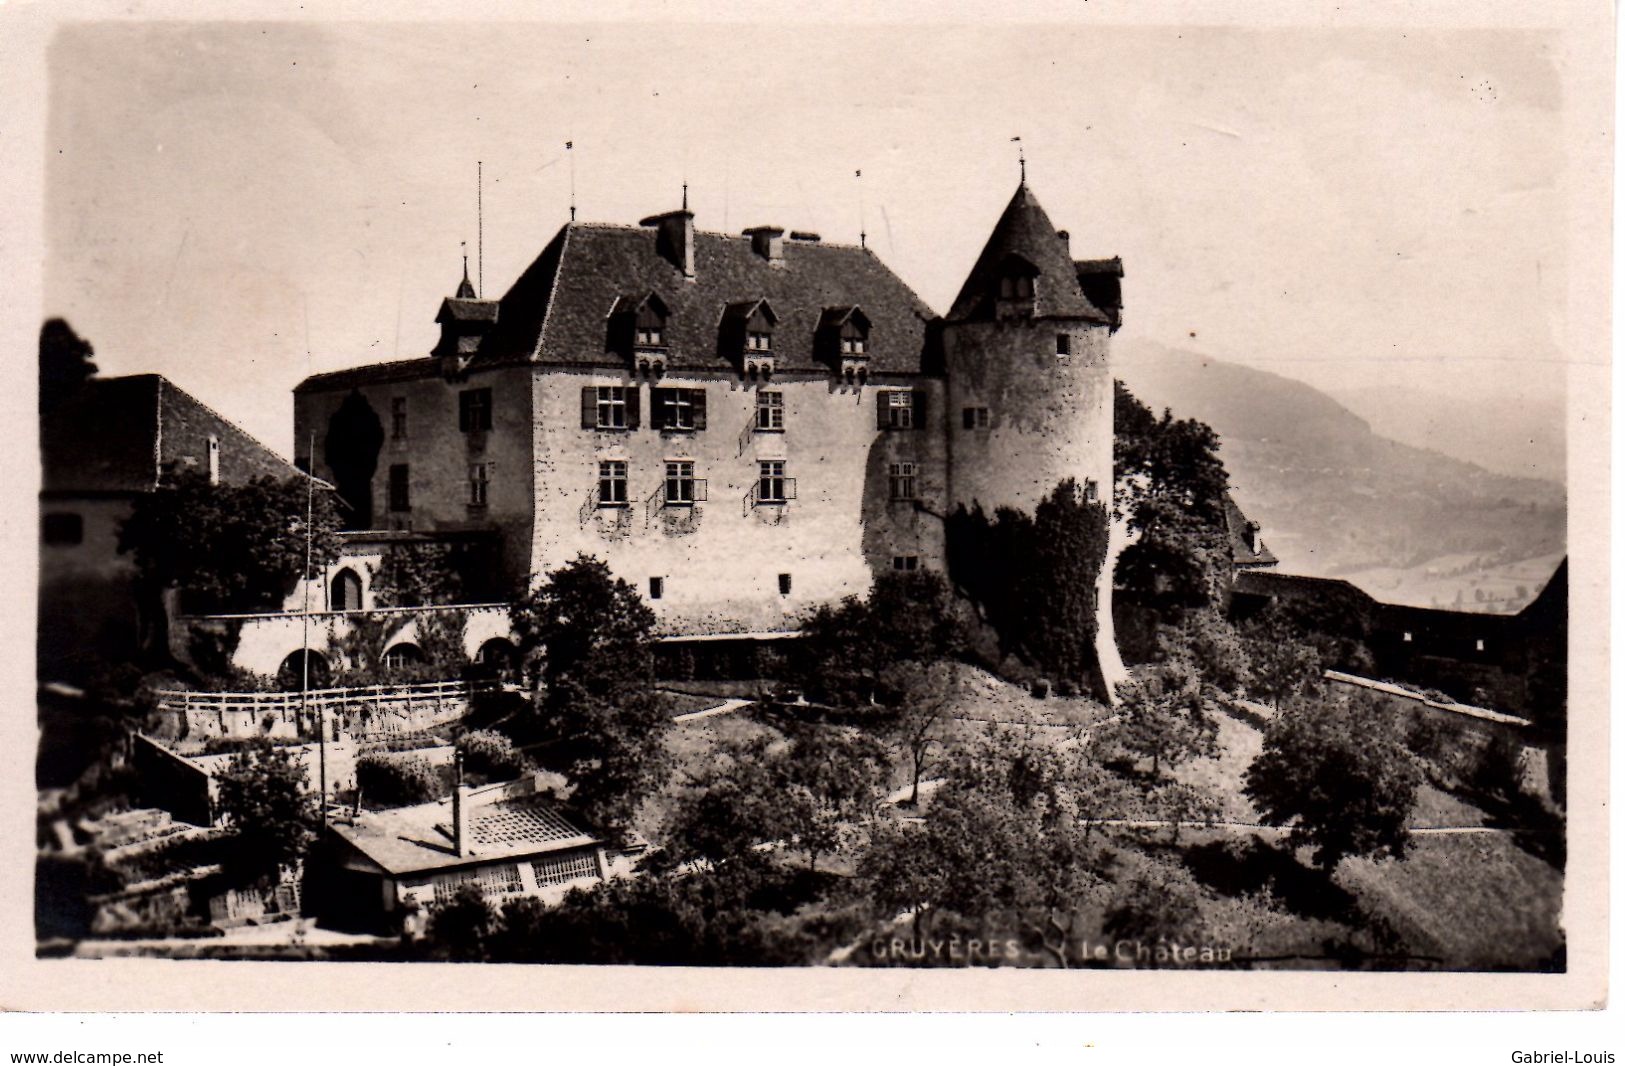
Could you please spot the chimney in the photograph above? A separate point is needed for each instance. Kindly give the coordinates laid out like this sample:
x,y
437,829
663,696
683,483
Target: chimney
x,y
1066,241
767,242
459,830
674,238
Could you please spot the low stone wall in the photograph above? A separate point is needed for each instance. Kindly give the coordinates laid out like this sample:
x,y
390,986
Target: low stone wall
x,y
1461,732
187,719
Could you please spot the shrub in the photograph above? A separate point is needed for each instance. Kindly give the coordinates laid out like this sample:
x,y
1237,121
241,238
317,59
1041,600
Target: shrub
x,y
397,780
488,752
1040,688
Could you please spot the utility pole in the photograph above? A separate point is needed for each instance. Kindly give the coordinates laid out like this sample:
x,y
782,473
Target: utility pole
x,y
304,654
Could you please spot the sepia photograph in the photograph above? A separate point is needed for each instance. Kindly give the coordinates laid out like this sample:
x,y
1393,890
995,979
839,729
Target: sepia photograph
x,y
1078,496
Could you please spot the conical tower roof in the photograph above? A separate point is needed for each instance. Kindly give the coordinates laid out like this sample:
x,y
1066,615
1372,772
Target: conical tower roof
x,y
1024,234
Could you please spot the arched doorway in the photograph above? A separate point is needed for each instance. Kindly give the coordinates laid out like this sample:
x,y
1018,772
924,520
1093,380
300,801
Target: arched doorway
x,y
291,674
498,658
346,591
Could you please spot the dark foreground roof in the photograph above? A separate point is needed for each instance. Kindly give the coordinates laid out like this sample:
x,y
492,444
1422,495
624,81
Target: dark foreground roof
x,y
1246,546
118,434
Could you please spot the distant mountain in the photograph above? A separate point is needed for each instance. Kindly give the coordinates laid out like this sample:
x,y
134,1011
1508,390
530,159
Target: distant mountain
x,y
1333,497
1519,436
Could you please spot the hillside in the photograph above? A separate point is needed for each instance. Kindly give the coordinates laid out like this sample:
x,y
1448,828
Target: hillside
x,y
1521,436
1336,499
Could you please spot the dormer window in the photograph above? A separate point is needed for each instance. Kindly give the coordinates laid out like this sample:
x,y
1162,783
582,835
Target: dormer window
x,y
637,330
843,343
1015,287
746,337
1018,280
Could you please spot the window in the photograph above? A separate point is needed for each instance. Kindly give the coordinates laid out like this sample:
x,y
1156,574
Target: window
x,y
479,484
214,460
1015,287
1063,344
853,346
400,487
609,407
403,654
651,337
757,340
1479,645
397,417
896,409
784,584
657,587
346,593
679,409
474,410
771,485
770,412
902,481
63,527
905,563
679,483
975,417
1407,638
560,870
612,483
1091,491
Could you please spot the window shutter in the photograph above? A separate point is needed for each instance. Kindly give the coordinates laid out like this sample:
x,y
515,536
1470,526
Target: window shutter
x,y
697,398
657,408
882,401
789,488
589,407
919,408
462,412
634,403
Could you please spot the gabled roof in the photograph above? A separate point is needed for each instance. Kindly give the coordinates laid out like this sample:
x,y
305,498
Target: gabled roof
x,y
554,313
745,310
1245,545
836,317
456,309
1024,232
118,434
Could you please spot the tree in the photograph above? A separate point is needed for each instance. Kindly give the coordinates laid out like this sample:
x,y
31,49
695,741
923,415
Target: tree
x,y
397,780
64,363
1282,664
417,574
228,548
265,801
492,755
1004,843
1169,487
461,927
809,791
846,647
1158,904
586,640
1162,717
921,695
1033,577
1333,770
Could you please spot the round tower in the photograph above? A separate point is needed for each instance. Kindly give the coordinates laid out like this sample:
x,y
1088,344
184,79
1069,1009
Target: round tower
x,y
1025,350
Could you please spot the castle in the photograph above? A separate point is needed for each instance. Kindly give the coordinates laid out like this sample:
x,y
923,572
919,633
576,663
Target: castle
x,y
743,427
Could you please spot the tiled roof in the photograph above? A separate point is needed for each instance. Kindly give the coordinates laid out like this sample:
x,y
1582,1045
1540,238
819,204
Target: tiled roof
x,y
1024,231
557,312
419,838
371,374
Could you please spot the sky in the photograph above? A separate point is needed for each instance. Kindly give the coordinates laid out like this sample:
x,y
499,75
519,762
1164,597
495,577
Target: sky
x,y
239,205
